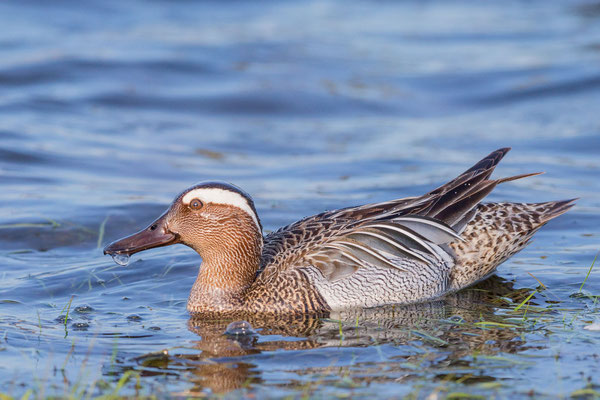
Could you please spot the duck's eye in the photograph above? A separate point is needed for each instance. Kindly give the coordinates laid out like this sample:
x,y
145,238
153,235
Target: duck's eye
x,y
195,204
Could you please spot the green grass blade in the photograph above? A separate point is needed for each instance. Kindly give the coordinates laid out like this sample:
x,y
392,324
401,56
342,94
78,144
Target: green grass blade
x,y
101,233
517,308
589,272
498,324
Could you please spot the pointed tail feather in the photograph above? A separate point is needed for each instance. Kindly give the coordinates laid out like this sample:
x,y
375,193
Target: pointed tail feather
x,y
515,177
553,209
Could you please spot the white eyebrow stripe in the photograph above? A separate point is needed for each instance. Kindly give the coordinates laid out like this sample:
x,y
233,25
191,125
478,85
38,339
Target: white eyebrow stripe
x,y
221,196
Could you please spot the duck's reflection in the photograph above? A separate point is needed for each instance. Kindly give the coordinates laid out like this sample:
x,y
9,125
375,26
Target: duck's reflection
x,y
450,329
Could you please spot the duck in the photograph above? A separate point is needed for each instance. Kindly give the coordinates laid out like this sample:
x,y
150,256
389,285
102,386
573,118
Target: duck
x,y
403,251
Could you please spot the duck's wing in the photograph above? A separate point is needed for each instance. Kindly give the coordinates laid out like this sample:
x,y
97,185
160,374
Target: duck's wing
x,y
339,247
338,242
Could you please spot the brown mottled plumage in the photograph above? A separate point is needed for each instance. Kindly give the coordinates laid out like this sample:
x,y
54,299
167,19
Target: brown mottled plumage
x,y
401,251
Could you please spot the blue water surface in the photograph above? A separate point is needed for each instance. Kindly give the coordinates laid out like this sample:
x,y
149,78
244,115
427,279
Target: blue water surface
x,y
109,109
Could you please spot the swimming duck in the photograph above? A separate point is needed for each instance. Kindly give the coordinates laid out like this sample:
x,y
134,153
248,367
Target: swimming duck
x,y
397,252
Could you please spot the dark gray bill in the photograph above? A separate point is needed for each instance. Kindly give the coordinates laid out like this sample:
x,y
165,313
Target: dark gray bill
x,y
155,235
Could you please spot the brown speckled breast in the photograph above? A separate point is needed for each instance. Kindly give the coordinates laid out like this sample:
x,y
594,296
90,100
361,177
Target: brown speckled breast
x,y
287,292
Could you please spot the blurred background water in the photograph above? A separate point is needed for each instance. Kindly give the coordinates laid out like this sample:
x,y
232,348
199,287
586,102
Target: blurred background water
x,y
109,109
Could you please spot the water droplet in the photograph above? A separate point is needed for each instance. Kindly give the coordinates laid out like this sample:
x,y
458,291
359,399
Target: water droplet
x,y
240,328
121,259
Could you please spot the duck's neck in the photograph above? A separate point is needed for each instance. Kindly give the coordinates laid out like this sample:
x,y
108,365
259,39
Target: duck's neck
x,y
226,272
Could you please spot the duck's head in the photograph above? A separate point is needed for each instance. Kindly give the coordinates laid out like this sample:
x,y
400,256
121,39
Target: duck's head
x,y
210,217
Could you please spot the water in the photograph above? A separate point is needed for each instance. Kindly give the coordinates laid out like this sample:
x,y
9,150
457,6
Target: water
x,y
108,110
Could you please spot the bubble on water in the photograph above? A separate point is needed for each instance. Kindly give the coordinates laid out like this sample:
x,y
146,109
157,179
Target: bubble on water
x,y
240,328
84,309
121,259
80,326
61,319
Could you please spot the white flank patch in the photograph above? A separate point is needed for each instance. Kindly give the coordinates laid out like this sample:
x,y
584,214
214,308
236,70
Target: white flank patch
x,y
221,196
